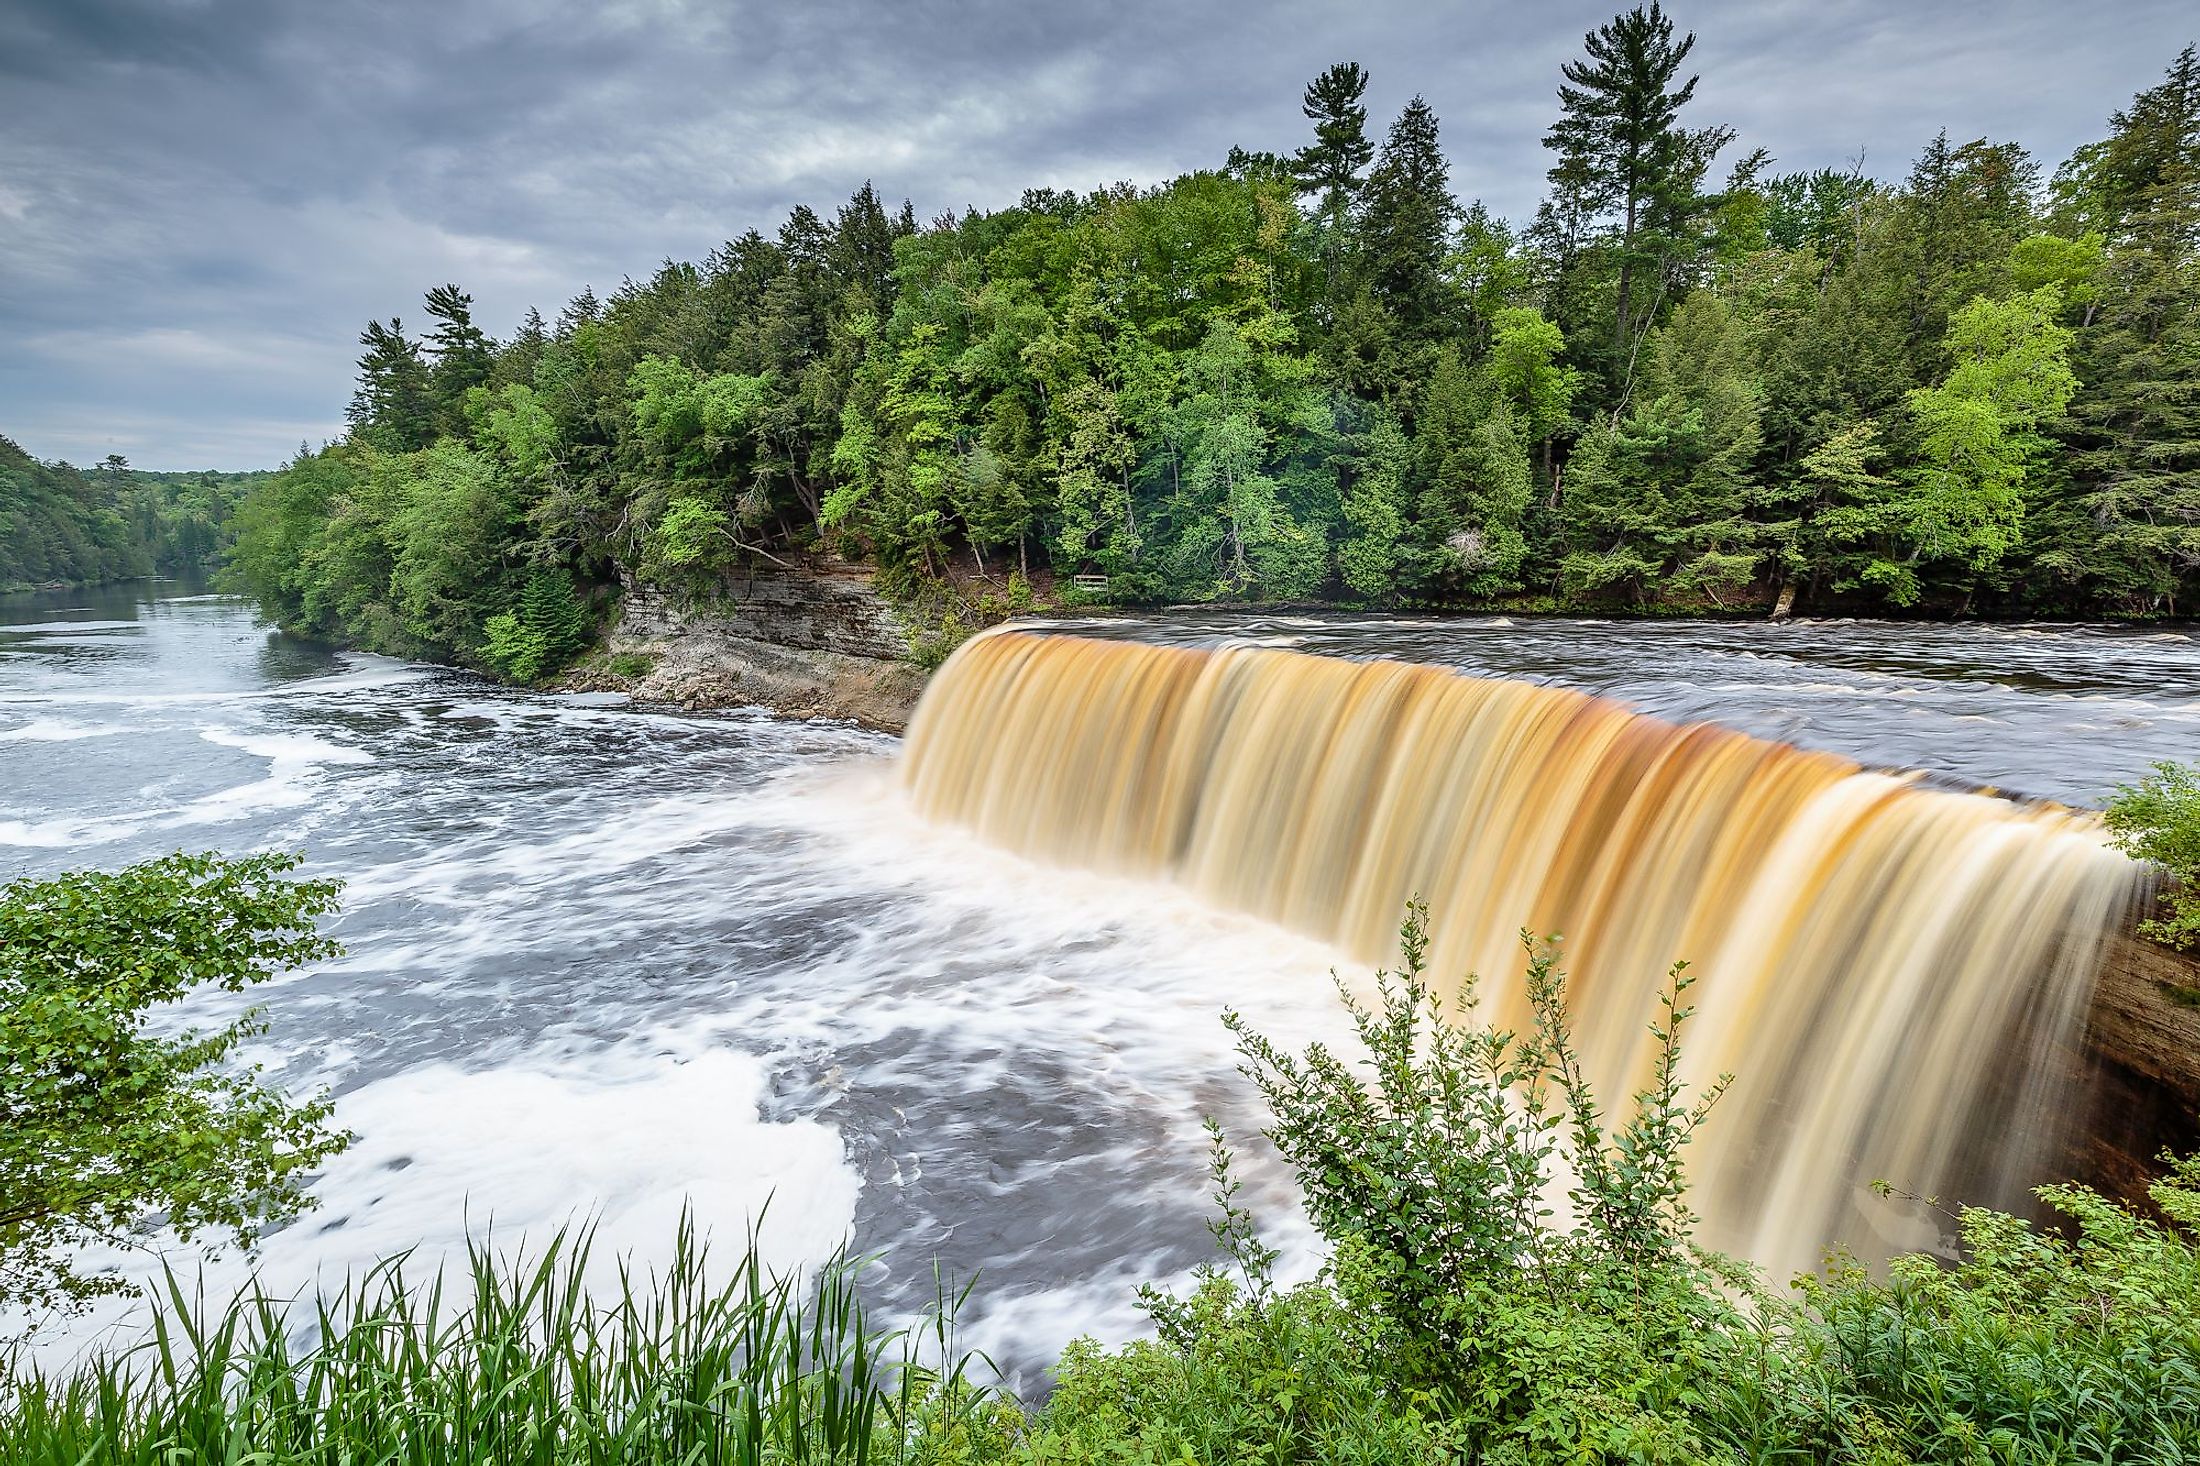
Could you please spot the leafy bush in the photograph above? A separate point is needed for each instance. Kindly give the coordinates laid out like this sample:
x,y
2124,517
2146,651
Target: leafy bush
x,y
1239,1372
1537,1335
102,1123
2040,1347
546,630
2158,819
694,535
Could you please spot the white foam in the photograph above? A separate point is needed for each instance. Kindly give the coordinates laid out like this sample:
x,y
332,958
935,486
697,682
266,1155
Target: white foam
x,y
624,1138
292,758
54,730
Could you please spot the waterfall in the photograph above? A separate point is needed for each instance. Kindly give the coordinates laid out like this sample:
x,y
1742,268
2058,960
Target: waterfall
x,y
1895,974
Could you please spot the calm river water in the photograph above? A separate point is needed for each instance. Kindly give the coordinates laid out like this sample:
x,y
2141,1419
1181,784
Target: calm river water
x,y
604,962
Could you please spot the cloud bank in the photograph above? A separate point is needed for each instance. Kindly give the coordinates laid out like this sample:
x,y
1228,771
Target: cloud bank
x,y
201,201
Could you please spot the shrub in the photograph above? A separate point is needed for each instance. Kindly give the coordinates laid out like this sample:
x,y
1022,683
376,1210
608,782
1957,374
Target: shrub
x,y
102,1123
1458,1318
1240,1372
1538,1335
2041,1346
2158,819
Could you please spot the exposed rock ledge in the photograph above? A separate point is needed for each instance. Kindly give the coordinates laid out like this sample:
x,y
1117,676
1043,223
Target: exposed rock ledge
x,y
2141,1067
804,644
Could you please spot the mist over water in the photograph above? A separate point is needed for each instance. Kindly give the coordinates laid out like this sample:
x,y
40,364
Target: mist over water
x,y
605,960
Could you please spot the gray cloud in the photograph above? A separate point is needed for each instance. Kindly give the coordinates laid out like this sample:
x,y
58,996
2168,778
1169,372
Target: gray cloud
x,y
201,201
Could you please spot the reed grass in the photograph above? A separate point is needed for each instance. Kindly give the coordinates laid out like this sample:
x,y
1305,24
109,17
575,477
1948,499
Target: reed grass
x,y
510,1360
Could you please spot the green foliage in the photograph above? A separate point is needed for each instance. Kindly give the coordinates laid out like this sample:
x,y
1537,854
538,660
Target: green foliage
x,y
1240,1372
1541,1337
545,631
512,1358
102,1122
2158,820
1375,559
2042,1346
1524,370
1462,1314
1978,429
693,533
63,525
449,535
1463,1317
1939,393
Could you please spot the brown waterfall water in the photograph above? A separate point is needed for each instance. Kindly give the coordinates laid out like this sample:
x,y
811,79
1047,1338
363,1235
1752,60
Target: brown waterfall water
x,y
1893,972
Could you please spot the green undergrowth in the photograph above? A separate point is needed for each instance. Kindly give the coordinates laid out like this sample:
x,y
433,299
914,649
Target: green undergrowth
x,y
1459,1316
2158,820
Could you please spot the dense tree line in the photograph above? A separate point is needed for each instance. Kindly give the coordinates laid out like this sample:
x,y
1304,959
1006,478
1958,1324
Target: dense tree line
x,y
1691,381
63,525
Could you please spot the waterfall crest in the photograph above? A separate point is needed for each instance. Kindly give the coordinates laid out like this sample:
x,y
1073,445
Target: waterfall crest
x,y
1896,974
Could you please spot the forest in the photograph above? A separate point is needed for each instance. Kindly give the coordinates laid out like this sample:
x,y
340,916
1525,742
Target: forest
x,y
64,526
1691,383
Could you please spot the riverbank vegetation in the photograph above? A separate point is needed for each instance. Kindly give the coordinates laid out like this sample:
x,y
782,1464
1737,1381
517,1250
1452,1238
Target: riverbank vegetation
x,y
104,1120
1460,1316
1691,381
61,525
2157,820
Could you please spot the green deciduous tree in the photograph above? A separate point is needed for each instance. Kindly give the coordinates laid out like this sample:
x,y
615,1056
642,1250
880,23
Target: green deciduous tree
x,y
104,1122
1979,430
2158,820
1376,556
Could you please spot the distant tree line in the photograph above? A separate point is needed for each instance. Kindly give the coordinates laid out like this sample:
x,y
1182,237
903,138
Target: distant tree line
x,y
61,525
1691,381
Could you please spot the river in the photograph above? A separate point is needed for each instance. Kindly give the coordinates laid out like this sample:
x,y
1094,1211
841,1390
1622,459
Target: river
x,y
605,962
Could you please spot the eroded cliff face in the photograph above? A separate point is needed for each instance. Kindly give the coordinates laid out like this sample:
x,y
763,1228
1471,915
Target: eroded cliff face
x,y
805,643
2140,1067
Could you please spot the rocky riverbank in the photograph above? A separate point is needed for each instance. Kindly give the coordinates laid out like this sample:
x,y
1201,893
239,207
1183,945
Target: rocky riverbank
x,y
802,643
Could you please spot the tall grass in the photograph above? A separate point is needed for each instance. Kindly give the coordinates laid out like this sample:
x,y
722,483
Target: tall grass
x,y
509,1360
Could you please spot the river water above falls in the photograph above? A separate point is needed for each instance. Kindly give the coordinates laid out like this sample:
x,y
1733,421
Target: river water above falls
x,y
605,961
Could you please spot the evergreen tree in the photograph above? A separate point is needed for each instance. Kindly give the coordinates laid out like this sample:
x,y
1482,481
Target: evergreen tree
x,y
2136,423
1618,137
1405,223
1330,167
461,353
393,406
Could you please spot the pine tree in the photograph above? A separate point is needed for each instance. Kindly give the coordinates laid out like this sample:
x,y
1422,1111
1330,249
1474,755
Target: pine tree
x,y
462,356
1618,139
392,406
862,248
1405,223
2136,424
1330,166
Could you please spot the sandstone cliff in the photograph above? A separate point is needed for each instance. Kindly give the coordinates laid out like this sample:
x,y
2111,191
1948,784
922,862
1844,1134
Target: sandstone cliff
x,y
804,643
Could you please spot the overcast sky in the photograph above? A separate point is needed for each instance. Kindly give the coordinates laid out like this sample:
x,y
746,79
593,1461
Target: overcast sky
x,y
201,201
